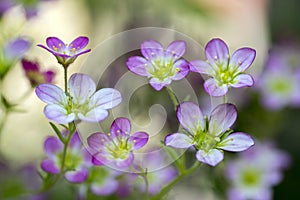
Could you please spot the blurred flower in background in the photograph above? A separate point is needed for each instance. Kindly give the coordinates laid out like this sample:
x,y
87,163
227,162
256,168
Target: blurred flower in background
x,y
253,174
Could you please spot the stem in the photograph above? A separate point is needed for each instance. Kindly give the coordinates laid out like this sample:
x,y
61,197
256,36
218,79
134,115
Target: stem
x,y
146,185
66,79
173,97
168,187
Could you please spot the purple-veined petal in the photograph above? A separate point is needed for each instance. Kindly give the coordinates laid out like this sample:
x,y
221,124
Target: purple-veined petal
x,y
55,43
30,66
80,53
108,187
139,139
123,163
213,89
243,80
201,67
50,167
94,115
158,85
77,176
242,58
222,118
152,50
16,49
178,140
139,65
44,47
49,76
176,49
51,94
79,43
217,52
52,146
58,114
98,140
236,142
96,162
190,117
212,158
106,98
182,68
120,127
81,87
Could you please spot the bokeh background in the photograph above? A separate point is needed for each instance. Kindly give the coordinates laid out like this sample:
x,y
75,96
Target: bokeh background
x,y
259,24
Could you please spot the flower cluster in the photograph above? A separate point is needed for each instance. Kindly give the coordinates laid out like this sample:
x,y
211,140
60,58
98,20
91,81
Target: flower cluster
x,y
255,172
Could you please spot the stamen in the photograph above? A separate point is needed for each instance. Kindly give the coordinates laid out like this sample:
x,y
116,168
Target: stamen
x,y
216,57
177,69
152,53
60,45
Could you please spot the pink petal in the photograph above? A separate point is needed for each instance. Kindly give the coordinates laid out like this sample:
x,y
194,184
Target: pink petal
x,y
222,118
201,67
212,158
213,89
139,139
236,142
51,94
183,67
120,127
152,50
217,52
242,58
139,65
178,140
243,80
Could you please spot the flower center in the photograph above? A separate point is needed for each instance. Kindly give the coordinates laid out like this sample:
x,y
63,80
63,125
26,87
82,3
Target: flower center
x,y
163,69
281,86
251,177
119,148
205,141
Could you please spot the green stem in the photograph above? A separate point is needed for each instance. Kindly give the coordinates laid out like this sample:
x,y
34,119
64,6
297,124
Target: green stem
x,y
173,97
224,99
146,185
66,79
168,187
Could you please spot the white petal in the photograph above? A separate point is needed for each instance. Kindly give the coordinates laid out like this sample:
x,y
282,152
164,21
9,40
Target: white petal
x,y
236,142
213,157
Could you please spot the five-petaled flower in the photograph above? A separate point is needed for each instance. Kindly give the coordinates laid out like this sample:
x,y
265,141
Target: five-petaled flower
x,y
76,162
225,71
35,75
159,64
81,102
208,136
115,149
64,53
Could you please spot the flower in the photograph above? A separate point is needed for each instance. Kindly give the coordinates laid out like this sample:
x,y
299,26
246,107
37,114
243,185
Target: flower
x,y
209,137
77,160
161,66
12,51
64,53
116,148
224,71
255,172
279,83
82,102
35,75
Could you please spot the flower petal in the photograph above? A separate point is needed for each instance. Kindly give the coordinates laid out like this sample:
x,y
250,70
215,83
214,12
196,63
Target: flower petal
x,y
190,117
178,140
51,94
139,139
77,176
176,49
222,118
217,52
52,146
16,49
108,187
106,98
94,115
182,66
158,85
79,43
120,127
138,65
236,142
75,142
201,67
212,158
242,58
152,50
50,167
243,80
120,164
97,140
213,89
55,43
81,87
58,114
